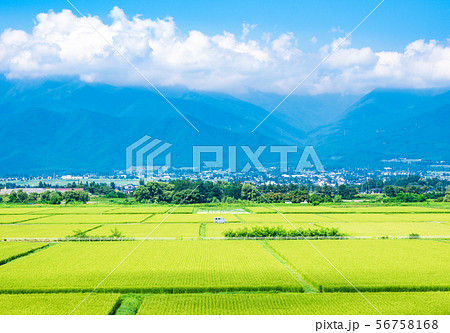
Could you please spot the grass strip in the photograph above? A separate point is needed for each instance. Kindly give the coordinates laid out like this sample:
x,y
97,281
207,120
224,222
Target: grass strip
x,y
145,219
154,290
27,220
202,230
416,288
20,255
128,305
239,218
83,232
307,288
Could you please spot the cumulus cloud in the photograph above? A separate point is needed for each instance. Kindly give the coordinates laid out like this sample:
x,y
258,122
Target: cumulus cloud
x,y
65,44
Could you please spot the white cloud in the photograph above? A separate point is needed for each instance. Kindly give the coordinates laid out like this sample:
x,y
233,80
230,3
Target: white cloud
x,y
246,28
64,44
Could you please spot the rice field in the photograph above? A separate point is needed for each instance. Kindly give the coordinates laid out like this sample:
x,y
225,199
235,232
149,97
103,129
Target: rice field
x,y
12,250
156,266
42,230
257,210
78,210
190,218
138,210
177,230
363,218
178,271
425,303
181,210
51,210
57,304
380,229
18,210
393,218
6,219
278,218
90,219
335,209
381,265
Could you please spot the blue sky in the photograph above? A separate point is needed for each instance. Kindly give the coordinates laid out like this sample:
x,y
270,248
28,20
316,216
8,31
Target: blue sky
x,y
285,37
395,24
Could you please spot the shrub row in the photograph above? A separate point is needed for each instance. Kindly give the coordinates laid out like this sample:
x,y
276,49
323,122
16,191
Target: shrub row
x,y
279,231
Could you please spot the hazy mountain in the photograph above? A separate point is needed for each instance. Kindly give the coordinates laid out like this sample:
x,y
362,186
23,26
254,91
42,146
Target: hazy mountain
x,y
71,126
387,124
77,127
302,111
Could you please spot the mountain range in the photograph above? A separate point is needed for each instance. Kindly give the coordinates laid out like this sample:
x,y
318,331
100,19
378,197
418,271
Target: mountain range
x,y
68,126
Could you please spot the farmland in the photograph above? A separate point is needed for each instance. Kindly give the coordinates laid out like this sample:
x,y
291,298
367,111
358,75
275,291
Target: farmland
x,y
302,209
170,230
190,218
11,250
90,218
156,266
57,304
296,303
435,228
396,267
180,262
43,230
6,219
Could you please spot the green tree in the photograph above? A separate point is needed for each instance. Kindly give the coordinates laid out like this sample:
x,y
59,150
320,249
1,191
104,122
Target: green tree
x,y
155,191
298,196
447,197
391,191
76,196
233,190
22,196
55,198
316,199
83,196
13,198
33,197
249,192
167,191
141,193
347,192
273,197
325,190
70,196
45,197
186,197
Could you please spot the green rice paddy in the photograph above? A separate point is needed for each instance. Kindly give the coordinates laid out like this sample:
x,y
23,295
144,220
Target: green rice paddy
x,y
185,267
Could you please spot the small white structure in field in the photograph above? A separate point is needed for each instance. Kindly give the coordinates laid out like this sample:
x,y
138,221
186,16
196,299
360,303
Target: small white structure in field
x,y
219,220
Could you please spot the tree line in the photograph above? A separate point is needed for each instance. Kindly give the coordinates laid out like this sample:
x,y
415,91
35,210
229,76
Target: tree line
x,y
411,189
199,191
401,189
47,197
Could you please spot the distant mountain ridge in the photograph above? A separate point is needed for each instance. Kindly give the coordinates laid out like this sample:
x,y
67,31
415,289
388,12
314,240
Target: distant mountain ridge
x,y
387,124
75,127
78,127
